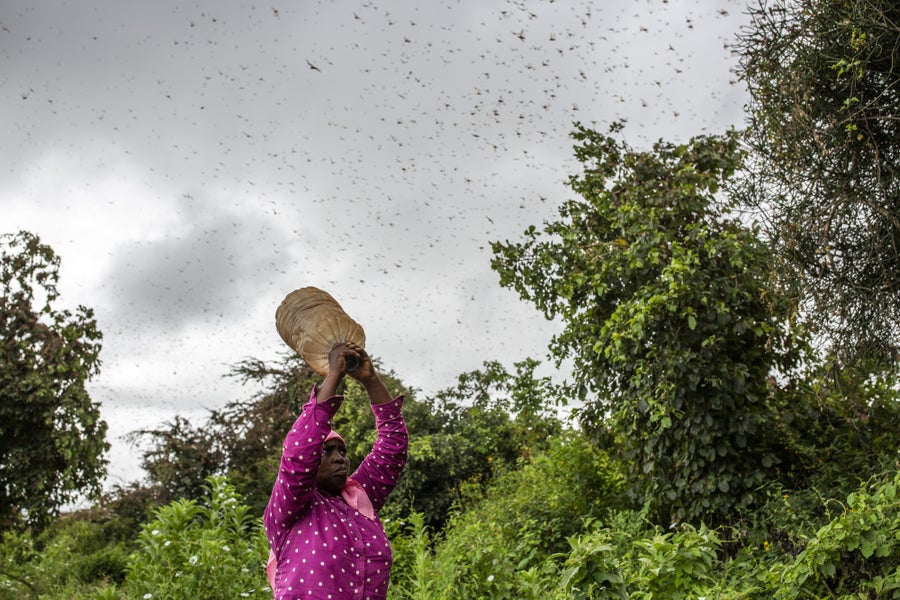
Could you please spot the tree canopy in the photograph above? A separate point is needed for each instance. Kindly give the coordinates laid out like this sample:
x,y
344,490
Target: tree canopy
x,y
52,439
670,318
824,135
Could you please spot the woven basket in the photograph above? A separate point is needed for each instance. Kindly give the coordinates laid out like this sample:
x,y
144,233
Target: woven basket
x,y
311,322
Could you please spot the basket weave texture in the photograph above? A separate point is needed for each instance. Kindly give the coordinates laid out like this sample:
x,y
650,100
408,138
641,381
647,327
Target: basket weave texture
x,y
311,321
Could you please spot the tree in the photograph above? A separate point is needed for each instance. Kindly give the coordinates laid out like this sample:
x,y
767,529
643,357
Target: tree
x,y
824,83
671,321
242,439
467,434
52,439
179,457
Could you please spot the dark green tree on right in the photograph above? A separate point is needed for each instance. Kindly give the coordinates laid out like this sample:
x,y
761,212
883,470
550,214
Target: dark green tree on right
x,y
672,321
824,132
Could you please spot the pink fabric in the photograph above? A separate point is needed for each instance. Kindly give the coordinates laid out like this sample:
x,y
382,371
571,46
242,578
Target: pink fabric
x,y
333,546
271,569
334,435
354,494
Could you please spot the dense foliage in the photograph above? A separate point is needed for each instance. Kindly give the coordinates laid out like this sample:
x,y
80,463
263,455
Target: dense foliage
x,y
526,516
213,549
823,128
670,319
52,439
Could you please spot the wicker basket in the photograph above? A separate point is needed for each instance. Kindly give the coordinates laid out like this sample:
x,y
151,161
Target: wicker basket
x,y
311,322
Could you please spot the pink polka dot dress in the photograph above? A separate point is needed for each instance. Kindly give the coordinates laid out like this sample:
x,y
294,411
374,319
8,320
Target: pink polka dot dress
x,y
324,548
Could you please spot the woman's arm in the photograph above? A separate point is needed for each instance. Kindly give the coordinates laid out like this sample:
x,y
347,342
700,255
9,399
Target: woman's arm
x,y
294,484
381,468
379,471
337,368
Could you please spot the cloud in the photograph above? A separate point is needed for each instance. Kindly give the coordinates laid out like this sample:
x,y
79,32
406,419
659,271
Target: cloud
x,y
204,267
191,167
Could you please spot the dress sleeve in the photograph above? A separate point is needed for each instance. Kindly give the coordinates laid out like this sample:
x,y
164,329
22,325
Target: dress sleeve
x,y
301,454
380,470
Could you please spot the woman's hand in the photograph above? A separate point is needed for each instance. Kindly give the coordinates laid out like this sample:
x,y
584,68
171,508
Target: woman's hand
x,y
365,371
366,375
337,368
338,357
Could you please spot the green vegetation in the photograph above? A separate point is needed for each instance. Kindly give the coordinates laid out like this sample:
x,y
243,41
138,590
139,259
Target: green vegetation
x,y
735,386
52,439
670,318
212,549
825,174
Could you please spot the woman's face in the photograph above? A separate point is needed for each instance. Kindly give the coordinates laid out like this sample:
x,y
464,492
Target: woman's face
x,y
334,468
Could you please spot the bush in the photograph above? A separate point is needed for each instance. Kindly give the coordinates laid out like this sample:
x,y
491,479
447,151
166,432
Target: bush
x,y
855,555
213,551
499,546
72,559
621,563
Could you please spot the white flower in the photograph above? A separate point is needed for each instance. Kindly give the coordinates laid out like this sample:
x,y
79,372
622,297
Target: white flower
x,y
490,578
226,549
148,595
154,532
167,542
193,560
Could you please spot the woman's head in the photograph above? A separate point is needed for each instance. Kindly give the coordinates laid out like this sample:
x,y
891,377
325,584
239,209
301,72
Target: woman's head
x,y
334,468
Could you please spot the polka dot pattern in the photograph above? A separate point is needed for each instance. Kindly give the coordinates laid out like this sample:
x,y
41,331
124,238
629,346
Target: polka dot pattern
x,y
326,549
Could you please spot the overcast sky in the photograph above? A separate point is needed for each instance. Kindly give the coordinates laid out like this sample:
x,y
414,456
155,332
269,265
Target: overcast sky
x,y
192,163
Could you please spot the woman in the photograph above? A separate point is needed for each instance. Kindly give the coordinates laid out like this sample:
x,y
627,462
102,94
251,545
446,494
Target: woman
x,y
325,537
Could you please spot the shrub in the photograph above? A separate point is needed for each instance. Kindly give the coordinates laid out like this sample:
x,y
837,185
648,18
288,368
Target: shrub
x,y
213,551
499,547
72,559
856,554
629,561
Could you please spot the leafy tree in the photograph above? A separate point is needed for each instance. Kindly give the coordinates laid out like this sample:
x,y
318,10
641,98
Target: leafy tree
x,y
527,400
670,318
180,457
52,439
824,83
470,432
243,439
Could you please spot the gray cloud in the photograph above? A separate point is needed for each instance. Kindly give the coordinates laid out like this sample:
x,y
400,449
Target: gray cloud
x,y
194,163
202,271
